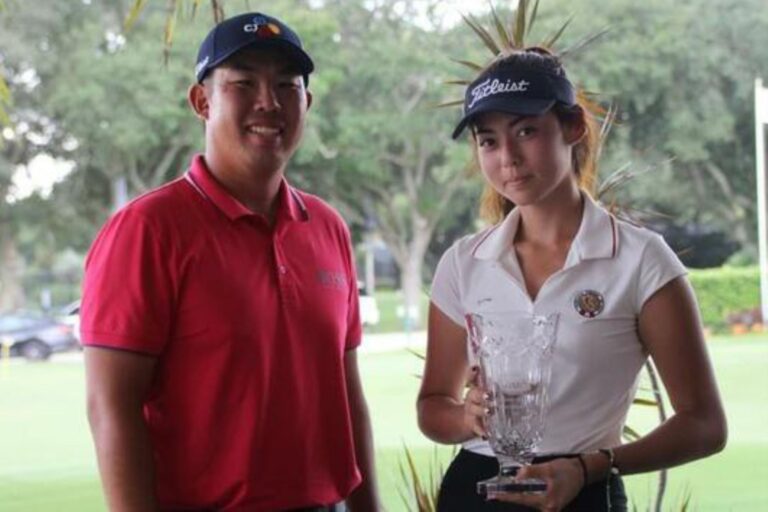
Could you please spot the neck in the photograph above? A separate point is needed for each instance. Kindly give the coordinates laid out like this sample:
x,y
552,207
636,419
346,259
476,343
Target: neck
x,y
255,186
553,221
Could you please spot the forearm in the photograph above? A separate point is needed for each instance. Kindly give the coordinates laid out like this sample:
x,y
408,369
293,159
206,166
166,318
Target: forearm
x,y
442,419
125,460
366,497
682,438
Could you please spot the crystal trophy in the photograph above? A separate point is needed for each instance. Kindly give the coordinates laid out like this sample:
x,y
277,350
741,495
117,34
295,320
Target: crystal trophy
x,y
514,355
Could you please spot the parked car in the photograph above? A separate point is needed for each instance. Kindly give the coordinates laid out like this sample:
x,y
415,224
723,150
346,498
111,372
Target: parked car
x,y
35,336
369,308
70,315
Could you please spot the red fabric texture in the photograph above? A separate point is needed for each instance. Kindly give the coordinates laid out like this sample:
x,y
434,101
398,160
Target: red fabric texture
x,y
250,323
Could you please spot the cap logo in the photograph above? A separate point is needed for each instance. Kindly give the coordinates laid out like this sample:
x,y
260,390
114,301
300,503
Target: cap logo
x,y
492,87
262,28
589,303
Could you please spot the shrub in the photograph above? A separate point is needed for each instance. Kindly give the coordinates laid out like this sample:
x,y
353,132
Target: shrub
x,y
725,292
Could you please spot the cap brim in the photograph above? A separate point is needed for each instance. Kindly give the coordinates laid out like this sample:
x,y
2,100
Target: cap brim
x,y
521,107
302,59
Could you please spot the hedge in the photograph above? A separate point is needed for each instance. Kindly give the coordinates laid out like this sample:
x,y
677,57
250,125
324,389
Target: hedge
x,y
724,291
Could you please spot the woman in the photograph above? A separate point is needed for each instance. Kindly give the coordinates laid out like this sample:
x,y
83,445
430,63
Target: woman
x,y
620,293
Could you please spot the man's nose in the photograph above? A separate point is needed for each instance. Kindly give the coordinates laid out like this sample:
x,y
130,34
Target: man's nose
x,y
266,99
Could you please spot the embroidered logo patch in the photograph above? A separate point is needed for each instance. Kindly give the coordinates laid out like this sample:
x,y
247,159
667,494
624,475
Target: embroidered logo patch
x,y
589,303
262,28
331,279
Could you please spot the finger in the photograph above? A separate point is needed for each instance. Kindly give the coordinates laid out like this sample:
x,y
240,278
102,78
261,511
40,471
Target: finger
x,y
474,376
520,498
477,423
475,409
534,471
479,430
477,397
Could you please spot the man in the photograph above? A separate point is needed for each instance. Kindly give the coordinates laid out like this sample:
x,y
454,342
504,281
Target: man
x,y
220,314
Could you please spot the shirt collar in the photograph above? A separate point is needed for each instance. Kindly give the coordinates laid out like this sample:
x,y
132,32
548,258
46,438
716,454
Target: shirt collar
x,y
596,238
290,206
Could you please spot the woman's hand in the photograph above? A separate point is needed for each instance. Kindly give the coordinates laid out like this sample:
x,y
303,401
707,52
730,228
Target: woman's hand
x,y
564,480
476,405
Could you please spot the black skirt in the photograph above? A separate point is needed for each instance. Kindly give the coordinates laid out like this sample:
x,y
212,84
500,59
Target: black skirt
x,y
458,490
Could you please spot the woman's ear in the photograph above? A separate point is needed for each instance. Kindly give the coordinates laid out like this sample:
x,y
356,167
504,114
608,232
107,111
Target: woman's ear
x,y
197,96
575,130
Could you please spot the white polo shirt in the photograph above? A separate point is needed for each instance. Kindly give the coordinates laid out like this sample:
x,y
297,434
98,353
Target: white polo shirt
x,y
611,269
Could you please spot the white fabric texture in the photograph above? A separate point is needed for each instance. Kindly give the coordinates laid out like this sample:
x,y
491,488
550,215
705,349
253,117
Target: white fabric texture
x,y
596,362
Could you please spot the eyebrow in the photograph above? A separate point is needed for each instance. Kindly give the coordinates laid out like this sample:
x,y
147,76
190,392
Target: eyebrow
x,y
519,119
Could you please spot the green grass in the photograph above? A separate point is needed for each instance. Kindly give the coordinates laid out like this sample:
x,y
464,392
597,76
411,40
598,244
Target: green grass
x,y
389,301
47,461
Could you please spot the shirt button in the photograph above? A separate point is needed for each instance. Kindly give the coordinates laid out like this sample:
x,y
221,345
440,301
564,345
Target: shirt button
x,y
282,269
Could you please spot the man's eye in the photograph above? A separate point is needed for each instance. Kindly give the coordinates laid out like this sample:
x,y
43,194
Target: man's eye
x,y
526,131
243,83
289,84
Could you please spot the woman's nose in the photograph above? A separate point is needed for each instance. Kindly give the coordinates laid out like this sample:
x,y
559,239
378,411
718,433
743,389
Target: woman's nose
x,y
510,155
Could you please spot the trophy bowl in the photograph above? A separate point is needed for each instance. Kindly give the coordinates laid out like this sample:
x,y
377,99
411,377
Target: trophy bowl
x,y
514,354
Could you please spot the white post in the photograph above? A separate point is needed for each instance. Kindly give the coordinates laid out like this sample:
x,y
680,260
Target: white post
x,y
761,118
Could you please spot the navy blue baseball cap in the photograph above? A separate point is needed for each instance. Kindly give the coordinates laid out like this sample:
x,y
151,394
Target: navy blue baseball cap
x,y
518,87
246,31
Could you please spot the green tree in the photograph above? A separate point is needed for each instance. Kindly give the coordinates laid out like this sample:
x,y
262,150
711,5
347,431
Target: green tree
x,y
682,75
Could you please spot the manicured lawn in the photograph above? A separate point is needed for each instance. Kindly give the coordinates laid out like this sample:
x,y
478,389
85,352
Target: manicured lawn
x,y
389,301
47,462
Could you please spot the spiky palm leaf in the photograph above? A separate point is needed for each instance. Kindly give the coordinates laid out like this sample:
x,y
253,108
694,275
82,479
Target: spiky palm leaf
x,y
416,489
501,37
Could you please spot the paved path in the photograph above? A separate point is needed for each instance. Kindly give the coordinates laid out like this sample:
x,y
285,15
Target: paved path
x,y
393,341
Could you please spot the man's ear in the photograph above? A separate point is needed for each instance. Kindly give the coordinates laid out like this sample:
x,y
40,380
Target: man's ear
x,y
309,98
197,96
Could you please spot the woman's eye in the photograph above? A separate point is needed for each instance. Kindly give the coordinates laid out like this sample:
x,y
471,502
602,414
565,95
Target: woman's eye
x,y
485,142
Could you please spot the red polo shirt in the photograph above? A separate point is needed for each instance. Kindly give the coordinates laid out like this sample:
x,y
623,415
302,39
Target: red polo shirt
x,y
250,323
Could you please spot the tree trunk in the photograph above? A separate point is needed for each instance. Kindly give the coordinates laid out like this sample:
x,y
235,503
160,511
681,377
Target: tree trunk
x,y
410,278
119,192
11,271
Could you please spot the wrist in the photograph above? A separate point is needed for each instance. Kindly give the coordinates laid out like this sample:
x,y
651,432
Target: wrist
x,y
611,457
597,466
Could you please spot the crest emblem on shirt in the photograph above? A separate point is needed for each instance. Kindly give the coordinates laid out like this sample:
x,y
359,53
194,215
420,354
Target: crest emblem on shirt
x,y
589,303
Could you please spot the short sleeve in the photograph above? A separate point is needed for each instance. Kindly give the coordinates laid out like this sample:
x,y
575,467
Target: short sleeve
x,y
446,293
658,266
127,288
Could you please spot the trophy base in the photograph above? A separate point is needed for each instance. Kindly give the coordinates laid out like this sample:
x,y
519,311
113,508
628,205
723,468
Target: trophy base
x,y
500,484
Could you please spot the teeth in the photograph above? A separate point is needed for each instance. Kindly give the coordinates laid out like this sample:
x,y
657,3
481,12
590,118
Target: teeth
x,y
264,130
